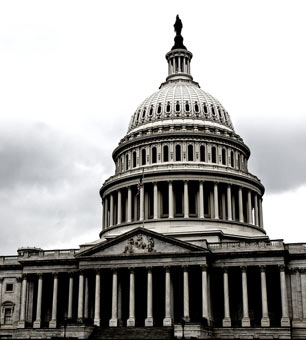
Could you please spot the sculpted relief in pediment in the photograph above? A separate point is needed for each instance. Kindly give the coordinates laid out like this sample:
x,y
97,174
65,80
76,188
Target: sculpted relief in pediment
x,y
139,244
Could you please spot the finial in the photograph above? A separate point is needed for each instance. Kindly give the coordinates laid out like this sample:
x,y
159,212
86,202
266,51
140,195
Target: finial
x,y
178,40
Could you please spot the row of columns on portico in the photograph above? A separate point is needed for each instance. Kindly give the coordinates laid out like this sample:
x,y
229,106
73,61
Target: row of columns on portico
x,y
254,213
82,308
265,321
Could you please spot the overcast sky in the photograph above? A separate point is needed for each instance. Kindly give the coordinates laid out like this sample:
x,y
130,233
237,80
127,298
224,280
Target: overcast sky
x,y
73,72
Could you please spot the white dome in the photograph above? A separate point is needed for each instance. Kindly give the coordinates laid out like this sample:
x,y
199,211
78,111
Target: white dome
x,y
180,99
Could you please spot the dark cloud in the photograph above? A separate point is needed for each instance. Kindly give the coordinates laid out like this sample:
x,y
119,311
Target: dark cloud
x,y
278,155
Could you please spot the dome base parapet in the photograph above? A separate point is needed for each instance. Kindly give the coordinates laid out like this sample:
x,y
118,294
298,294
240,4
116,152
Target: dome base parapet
x,y
191,229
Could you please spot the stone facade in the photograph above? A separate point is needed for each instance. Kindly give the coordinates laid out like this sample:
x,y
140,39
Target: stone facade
x,y
182,253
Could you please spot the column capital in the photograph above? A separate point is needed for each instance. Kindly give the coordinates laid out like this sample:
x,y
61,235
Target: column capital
x,y
40,275
167,268
303,270
243,269
225,269
55,274
293,270
149,268
131,269
1,280
24,276
229,185
263,268
114,270
19,279
185,267
204,267
282,267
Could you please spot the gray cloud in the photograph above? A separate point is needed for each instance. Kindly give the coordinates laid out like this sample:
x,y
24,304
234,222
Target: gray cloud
x,y
278,155
49,184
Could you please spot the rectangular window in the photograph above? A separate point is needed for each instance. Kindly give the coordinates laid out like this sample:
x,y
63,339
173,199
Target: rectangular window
x,y
9,287
8,315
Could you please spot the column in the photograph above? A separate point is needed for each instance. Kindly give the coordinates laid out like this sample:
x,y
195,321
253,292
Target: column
x,y
229,202
53,322
216,201
303,287
131,319
240,205
201,199
111,210
113,322
1,282
70,296
260,212
245,319
155,201
250,219
186,294
21,323
171,214
226,322
211,204
256,209
141,205
106,212
285,321
37,322
97,317
86,298
265,321
103,214
81,296
204,293
129,209
149,319
167,319
186,200
119,209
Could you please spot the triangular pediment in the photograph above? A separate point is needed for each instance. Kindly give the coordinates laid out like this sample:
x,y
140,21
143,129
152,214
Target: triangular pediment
x,y
140,241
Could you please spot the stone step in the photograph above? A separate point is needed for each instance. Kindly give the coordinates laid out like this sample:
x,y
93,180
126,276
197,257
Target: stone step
x,y
122,333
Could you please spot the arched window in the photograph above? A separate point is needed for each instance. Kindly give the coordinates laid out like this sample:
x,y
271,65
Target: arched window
x,y
178,156
143,156
213,155
238,161
134,159
223,157
187,106
166,153
196,107
159,108
126,162
190,152
205,108
168,107
151,111
232,159
202,153
154,155
177,107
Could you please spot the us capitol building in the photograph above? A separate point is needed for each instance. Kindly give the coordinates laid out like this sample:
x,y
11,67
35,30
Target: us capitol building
x,y
182,252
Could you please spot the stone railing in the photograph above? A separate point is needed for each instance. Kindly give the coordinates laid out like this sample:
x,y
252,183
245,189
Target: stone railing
x,y
24,253
230,246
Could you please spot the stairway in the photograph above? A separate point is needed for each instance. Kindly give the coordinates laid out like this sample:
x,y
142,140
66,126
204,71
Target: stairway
x,y
122,333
